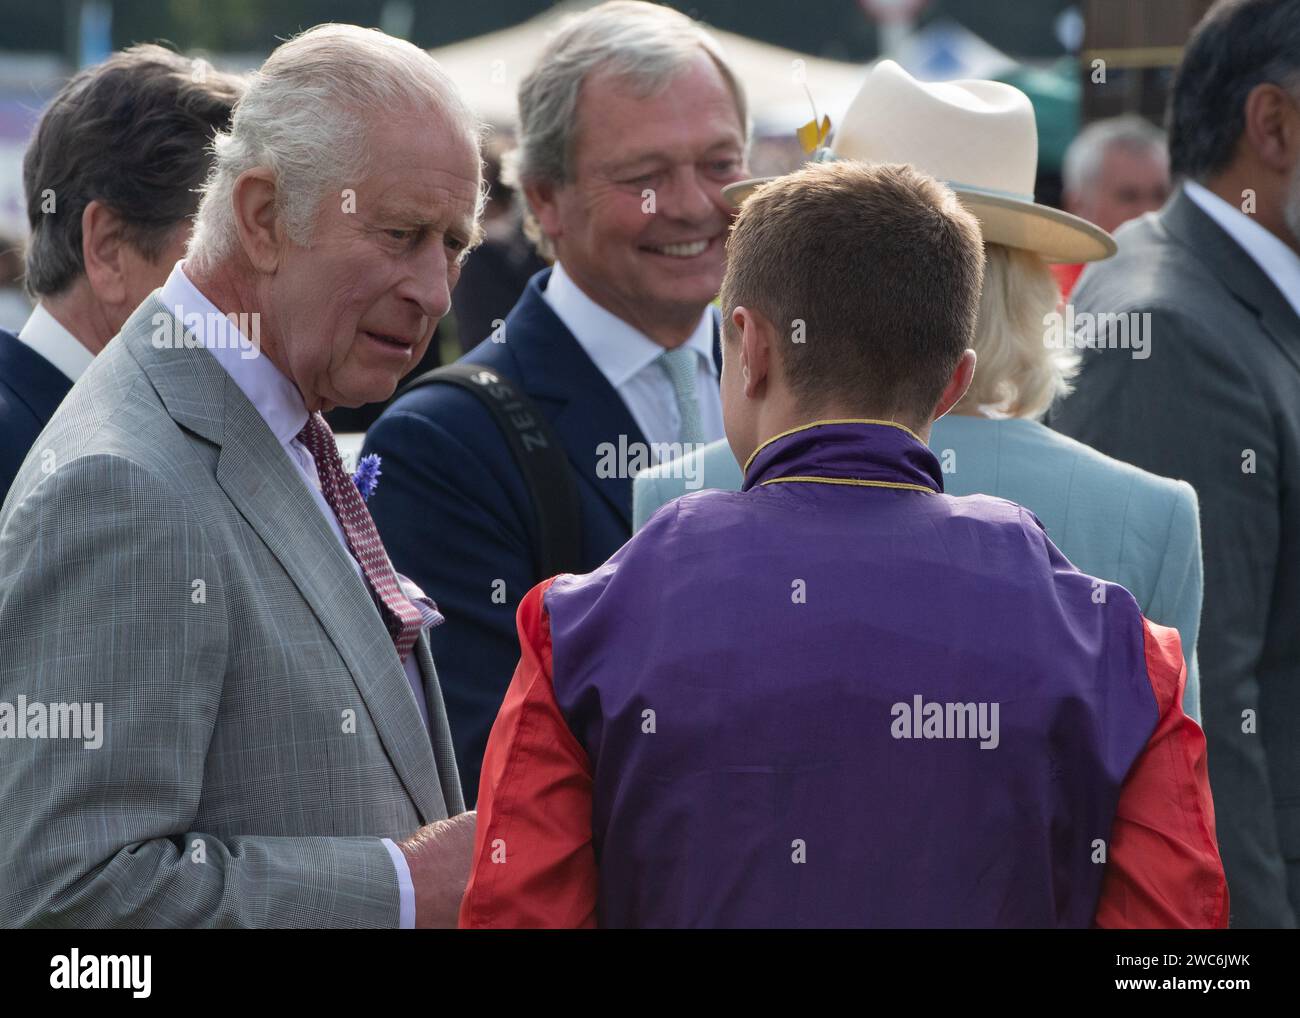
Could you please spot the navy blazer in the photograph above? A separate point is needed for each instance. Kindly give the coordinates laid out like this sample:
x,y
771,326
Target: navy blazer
x,y
31,389
456,517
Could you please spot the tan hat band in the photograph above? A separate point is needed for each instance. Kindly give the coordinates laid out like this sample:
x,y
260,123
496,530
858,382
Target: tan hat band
x,y
825,155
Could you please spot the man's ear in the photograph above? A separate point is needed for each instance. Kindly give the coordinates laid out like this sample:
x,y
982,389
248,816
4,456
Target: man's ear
x,y
957,385
544,203
102,242
1272,127
755,350
257,218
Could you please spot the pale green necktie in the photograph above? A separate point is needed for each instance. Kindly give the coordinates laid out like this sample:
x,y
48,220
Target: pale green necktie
x,y
680,366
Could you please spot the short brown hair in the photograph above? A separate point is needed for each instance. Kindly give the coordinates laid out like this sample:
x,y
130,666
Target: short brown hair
x,y
133,132
875,272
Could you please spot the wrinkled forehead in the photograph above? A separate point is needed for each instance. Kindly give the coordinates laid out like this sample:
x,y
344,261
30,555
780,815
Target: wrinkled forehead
x,y
693,112
1124,156
425,170
429,198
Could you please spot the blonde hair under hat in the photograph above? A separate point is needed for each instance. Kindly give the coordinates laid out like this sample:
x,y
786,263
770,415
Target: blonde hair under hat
x,y
979,138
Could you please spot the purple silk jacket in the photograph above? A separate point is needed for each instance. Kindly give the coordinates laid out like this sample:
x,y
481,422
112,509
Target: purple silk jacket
x,y
840,697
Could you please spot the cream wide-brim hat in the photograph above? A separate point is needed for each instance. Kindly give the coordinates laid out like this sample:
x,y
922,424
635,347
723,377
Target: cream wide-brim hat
x,y
979,138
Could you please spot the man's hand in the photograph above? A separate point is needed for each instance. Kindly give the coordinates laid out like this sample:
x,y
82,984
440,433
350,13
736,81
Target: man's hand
x,y
439,855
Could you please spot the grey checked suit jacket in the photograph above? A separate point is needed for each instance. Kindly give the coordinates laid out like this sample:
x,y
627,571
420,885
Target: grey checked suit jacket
x,y
260,733
1217,403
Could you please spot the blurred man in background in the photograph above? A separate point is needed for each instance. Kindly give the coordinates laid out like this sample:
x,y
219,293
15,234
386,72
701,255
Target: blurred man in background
x,y
630,126
110,180
1213,283
1115,170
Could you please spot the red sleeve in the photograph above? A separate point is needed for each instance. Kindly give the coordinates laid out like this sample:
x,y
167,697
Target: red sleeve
x,y
534,866
1066,277
1163,868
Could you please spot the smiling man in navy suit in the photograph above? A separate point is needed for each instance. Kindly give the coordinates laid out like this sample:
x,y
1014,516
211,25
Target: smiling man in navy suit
x,y
630,126
110,179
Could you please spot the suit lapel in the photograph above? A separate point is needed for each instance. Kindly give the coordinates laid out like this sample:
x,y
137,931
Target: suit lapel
x,y
1240,273
261,482
584,426
583,407
444,753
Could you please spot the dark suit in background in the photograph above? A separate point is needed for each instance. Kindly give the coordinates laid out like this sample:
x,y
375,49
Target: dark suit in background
x,y
492,281
1217,403
31,389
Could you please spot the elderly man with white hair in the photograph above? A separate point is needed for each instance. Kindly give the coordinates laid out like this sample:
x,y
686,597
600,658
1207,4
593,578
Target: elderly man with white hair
x,y
630,126
1115,170
229,712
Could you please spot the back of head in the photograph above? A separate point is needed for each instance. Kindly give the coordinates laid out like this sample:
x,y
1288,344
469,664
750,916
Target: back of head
x,y
1238,45
133,133
870,274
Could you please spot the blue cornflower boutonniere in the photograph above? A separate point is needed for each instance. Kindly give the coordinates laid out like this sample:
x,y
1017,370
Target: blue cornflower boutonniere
x,y
367,476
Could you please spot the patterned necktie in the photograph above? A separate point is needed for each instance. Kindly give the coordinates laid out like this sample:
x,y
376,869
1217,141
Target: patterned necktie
x,y
401,617
679,364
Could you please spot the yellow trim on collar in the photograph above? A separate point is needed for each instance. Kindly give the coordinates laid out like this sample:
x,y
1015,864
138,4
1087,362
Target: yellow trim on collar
x,y
850,480
818,424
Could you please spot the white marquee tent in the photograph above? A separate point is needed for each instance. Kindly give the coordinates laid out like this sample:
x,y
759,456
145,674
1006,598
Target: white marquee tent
x,y
488,70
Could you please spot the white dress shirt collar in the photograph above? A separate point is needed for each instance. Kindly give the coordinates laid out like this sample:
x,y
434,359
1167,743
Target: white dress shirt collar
x,y
1276,260
618,350
46,335
276,398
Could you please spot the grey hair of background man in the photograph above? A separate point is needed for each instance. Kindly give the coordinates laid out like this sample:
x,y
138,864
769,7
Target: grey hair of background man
x,y
1084,157
304,116
643,44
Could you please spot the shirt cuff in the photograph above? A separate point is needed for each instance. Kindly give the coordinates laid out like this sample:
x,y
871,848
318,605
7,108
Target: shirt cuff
x,y
405,889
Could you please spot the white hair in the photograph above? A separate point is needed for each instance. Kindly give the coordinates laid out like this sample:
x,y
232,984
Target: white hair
x,y
1017,373
643,44
303,116
1083,159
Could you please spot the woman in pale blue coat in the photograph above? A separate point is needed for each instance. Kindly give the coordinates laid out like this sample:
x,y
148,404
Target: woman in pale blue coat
x,y
1110,519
